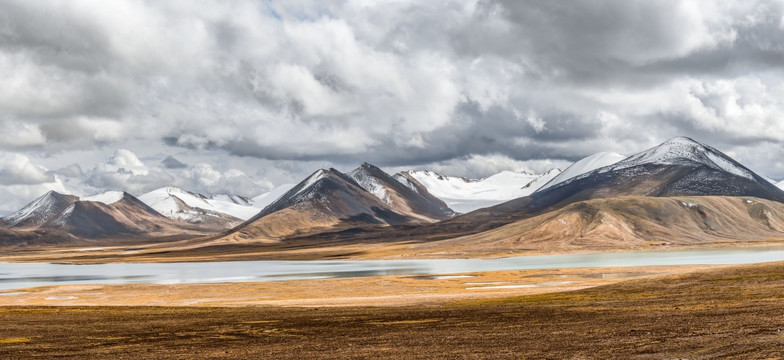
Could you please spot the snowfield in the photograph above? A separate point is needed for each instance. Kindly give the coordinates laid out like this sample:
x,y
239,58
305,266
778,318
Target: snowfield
x,y
465,195
108,198
165,201
586,165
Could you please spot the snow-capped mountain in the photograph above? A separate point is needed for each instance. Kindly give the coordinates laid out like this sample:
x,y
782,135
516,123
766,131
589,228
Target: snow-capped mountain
x,y
263,200
329,200
585,165
236,199
677,167
194,208
403,198
780,185
465,195
108,198
107,215
40,210
685,152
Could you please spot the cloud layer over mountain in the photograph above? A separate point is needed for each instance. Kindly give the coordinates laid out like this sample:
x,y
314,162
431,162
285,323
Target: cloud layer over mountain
x,y
277,89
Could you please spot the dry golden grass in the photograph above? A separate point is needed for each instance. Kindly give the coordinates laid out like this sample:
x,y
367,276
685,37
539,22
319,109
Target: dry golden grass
x,y
730,313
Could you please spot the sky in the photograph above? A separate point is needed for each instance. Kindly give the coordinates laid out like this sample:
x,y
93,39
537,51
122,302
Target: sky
x,y
242,96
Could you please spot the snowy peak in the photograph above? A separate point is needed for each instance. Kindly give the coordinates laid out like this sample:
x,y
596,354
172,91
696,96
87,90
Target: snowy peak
x,y
369,178
585,165
686,151
40,210
542,180
236,199
408,199
330,194
109,197
423,174
365,196
465,195
183,205
263,200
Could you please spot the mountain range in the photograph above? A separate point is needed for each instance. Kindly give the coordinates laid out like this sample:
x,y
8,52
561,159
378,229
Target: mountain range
x,y
678,192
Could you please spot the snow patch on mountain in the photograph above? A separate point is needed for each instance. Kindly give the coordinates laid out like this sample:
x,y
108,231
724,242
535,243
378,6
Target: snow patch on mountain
x,y
465,195
267,198
62,219
311,180
165,201
370,183
677,151
39,210
586,165
109,197
236,199
682,151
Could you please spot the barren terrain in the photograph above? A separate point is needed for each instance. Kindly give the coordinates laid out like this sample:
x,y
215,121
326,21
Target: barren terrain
x,y
733,312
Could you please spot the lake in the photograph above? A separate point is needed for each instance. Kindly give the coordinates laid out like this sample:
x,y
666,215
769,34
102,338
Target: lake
x,y
21,275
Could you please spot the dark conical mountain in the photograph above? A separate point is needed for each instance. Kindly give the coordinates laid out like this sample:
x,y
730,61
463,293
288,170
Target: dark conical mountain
x,y
677,167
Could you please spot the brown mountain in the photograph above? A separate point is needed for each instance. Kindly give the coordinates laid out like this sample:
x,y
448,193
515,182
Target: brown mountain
x,y
677,167
56,218
329,200
411,198
633,223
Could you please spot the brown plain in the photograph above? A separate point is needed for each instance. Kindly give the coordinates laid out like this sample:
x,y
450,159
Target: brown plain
x,y
732,312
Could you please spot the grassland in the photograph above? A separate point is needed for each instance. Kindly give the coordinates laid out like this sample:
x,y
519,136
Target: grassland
x,y
732,312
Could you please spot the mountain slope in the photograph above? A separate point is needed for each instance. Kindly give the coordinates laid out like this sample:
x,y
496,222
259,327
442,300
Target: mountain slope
x,y
40,210
94,219
585,165
327,200
631,223
413,201
58,218
267,198
178,204
466,195
678,167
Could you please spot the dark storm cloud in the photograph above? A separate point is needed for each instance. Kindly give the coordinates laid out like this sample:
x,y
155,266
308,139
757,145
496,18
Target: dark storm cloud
x,y
292,84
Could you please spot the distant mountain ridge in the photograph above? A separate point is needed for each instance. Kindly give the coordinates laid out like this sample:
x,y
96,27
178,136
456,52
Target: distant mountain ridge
x,y
107,215
466,195
223,211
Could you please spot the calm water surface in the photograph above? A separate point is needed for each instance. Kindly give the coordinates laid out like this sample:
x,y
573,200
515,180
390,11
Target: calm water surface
x,y
15,276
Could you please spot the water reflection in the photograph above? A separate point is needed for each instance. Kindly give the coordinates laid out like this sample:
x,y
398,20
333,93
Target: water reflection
x,y
21,275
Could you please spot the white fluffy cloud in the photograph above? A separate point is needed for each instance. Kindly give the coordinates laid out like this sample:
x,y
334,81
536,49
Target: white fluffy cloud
x,y
277,89
17,169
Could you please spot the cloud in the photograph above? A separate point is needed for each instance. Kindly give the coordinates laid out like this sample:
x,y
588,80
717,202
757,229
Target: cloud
x,y
17,169
277,89
24,135
124,170
481,166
